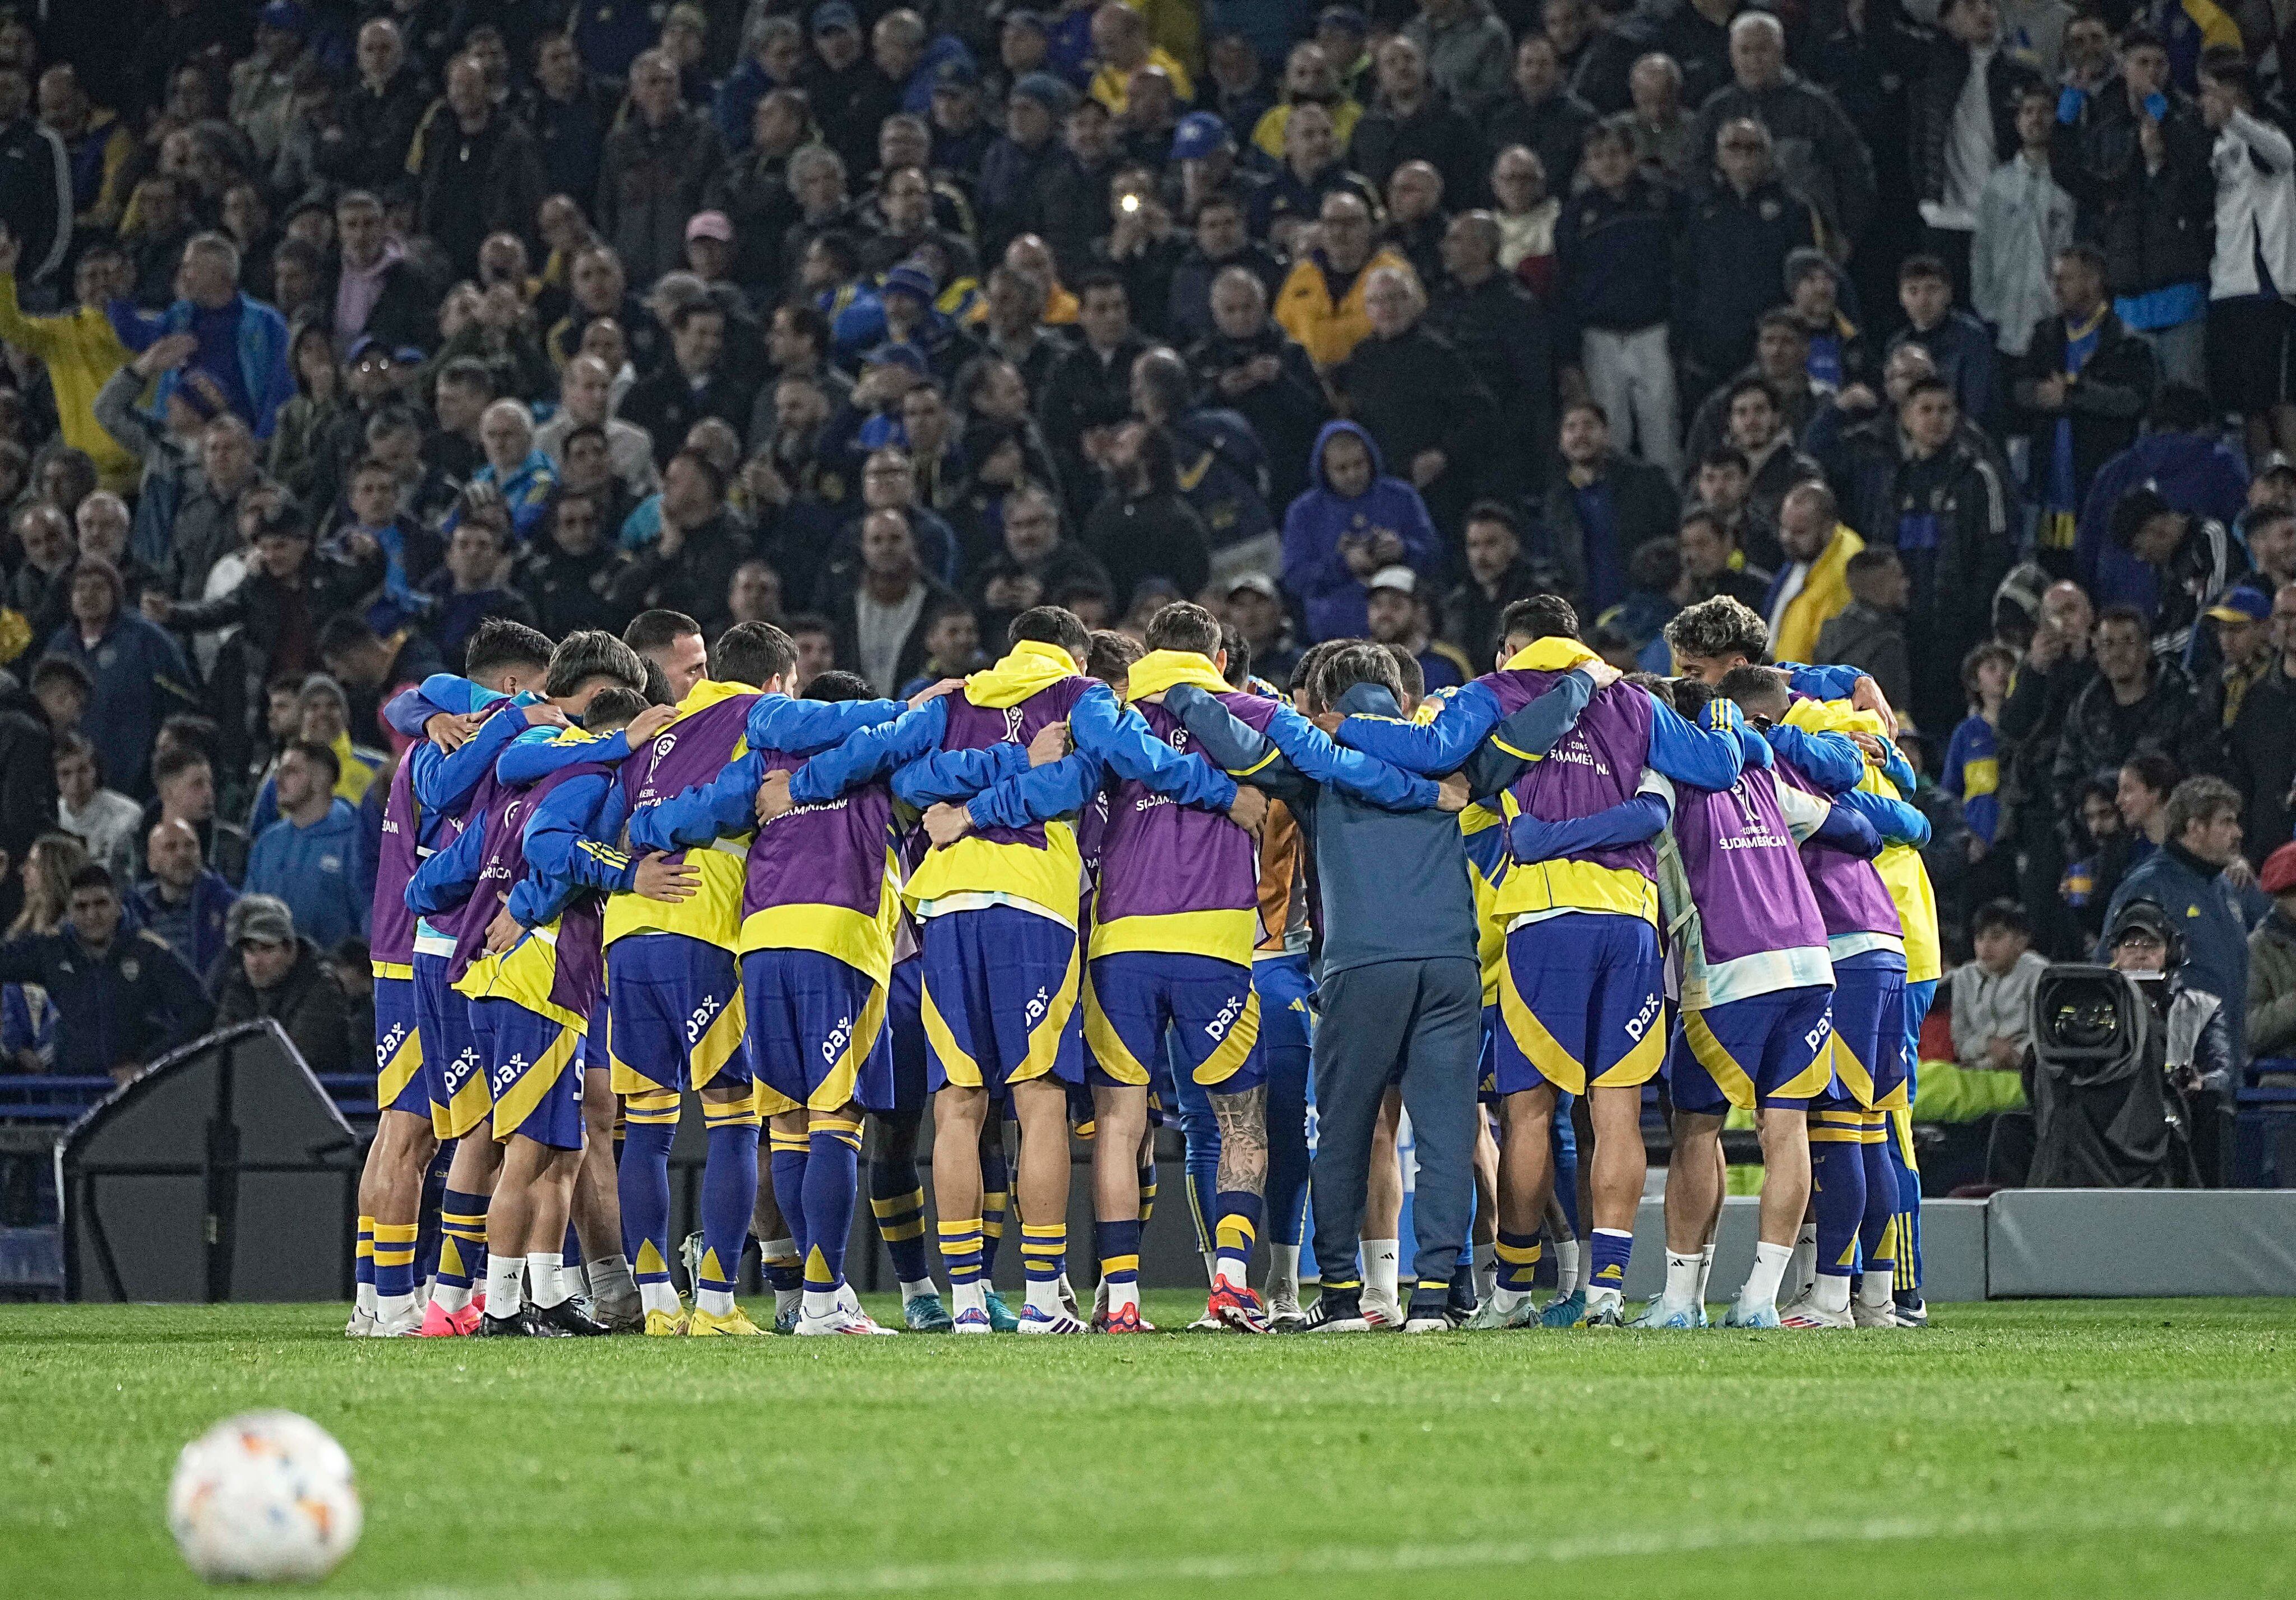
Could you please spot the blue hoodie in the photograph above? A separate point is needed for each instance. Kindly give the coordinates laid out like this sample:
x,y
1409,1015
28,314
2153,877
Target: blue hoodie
x,y
2194,472
316,871
1312,566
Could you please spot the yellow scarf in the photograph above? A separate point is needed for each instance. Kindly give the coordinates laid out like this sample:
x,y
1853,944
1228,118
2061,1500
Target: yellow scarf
x,y
1159,670
1833,716
1549,656
707,693
1031,669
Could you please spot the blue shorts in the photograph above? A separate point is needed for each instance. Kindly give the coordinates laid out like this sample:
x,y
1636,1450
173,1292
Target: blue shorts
x,y
1287,1002
1582,1000
1000,1000
1209,1006
905,1025
1768,1051
454,1072
534,1067
679,1018
1869,1031
398,1081
817,1036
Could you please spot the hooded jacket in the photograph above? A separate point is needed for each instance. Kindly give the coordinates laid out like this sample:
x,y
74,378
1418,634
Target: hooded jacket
x,y
307,1003
2197,473
1315,571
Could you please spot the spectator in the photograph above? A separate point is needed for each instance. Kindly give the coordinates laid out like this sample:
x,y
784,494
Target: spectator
x,y
472,584
183,779
1421,400
2084,381
2271,999
41,591
1311,77
1602,509
1813,586
1734,250
1249,365
1972,772
1255,609
1355,521
2182,454
105,820
1312,171
1396,616
1505,337
1543,115
1963,104
36,199
363,143
1032,563
213,331
2137,706
276,973
1959,347
881,626
1213,452
2260,750
1713,562
1321,304
1615,247
310,857
1869,632
952,648
2239,625
122,998
1815,141
569,577
1497,576
1142,526
2024,222
1993,994
2193,561
469,150
690,566
78,349
371,668
1412,120
651,174
136,672
1120,42
284,595
1090,390
183,902
584,386
2255,170
691,385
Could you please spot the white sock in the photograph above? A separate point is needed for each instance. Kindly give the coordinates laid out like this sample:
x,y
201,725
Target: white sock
x,y
1762,1282
1487,1270
366,1300
1682,1280
1832,1292
820,1303
424,1290
1044,1294
610,1279
451,1298
1507,1299
1877,1289
1567,1258
924,1286
505,1290
717,1302
1119,1295
389,1306
969,1297
660,1297
1804,1266
543,1270
1232,1272
1064,1289
1382,1260
1282,1271
1705,1271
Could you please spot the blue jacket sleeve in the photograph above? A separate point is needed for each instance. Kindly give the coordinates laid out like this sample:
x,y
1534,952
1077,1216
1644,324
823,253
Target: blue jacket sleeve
x,y
446,880
1896,821
870,753
447,692
806,727
536,753
1629,823
956,776
1828,760
724,807
1435,747
1058,789
1705,758
446,782
560,856
1242,750
408,711
1897,769
1837,682
1364,776
1846,830
1121,741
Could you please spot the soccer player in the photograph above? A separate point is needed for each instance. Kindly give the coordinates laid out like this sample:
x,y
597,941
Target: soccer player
x,y
1581,998
1000,904
820,909
1398,975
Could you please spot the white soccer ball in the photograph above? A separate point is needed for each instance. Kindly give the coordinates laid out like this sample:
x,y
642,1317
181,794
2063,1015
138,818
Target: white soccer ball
x,y
264,1498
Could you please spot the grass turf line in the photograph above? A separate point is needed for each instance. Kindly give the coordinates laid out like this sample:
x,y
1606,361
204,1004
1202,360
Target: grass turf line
x,y
2093,1449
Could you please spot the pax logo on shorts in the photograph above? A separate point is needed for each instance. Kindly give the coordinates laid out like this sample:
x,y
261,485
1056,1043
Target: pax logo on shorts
x,y
697,1025
388,1046
1639,1023
1219,1026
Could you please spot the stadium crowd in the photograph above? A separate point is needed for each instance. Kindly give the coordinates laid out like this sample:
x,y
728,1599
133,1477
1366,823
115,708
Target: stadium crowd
x,y
1950,342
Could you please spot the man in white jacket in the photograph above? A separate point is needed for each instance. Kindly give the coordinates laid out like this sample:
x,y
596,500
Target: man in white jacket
x,y
2254,269
2023,220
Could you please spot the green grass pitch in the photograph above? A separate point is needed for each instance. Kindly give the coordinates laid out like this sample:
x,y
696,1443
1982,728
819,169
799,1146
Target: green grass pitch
x,y
2139,1448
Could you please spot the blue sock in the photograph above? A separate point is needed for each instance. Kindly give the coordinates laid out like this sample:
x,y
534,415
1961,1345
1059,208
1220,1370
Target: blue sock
x,y
832,1178
1612,1249
1876,1238
898,1201
1118,1245
462,1238
729,1194
362,1263
1837,1182
394,1260
1200,1134
788,1160
1518,1255
1287,1142
1234,1233
643,1183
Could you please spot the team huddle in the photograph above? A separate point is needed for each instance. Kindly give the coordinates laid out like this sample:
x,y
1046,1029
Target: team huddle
x,y
1092,888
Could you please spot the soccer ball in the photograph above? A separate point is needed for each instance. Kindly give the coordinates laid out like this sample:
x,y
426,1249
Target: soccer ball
x,y
268,1497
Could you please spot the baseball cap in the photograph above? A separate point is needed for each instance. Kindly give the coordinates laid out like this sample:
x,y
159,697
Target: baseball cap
x,y
711,225
956,75
1197,136
2241,605
1259,582
1046,91
832,14
2279,873
1398,578
898,354
284,517
364,346
263,918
